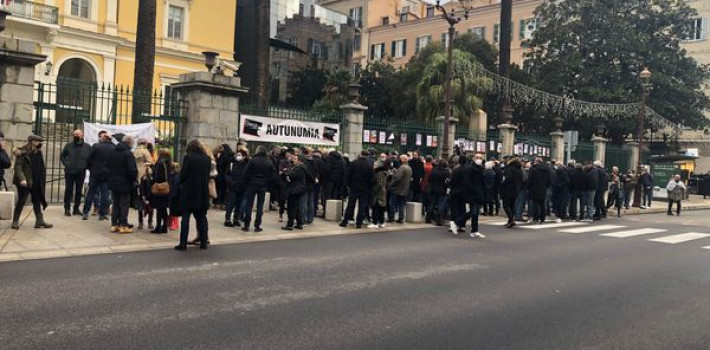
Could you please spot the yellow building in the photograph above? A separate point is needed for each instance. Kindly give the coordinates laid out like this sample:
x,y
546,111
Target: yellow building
x,y
94,40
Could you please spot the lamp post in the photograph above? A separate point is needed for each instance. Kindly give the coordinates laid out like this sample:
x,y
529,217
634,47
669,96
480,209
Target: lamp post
x,y
646,87
453,20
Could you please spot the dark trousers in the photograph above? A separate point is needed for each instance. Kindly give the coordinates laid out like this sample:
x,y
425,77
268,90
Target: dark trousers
x,y
317,191
436,208
294,214
234,205
560,203
581,198
141,215
200,222
362,198
101,188
22,194
458,205
670,207
260,197
378,214
121,206
509,208
599,204
397,204
416,191
161,220
474,209
539,209
331,190
73,184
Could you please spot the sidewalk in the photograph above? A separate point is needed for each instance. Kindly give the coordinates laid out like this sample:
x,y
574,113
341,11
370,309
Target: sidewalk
x,y
72,236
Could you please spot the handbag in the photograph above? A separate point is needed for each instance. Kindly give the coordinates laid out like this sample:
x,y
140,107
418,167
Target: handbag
x,y
161,188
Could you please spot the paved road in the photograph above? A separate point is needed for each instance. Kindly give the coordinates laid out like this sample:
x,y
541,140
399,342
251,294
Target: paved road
x,y
521,289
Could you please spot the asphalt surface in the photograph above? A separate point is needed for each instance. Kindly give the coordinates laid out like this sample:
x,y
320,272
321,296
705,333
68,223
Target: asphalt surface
x,y
517,289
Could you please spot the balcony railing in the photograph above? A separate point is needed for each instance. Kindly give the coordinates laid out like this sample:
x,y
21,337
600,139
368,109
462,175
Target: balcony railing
x,y
31,10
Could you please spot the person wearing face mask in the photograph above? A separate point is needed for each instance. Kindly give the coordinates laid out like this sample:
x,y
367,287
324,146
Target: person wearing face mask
x,y
122,180
399,189
99,173
237,187
29,179
296,179
74,157
475,194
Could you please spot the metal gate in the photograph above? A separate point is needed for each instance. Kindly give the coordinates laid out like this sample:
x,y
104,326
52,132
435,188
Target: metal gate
x,y
61,108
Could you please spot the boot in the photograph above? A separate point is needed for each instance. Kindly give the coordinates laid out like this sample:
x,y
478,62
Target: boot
x,y
15,225
39,221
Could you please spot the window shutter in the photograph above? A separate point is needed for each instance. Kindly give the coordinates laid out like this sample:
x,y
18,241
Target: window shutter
x,y
522,29
394,48
483,32
383,53
404,47
372,52
703,28
417,45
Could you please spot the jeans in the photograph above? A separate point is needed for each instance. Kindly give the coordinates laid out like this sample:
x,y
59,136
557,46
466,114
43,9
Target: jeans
x,y
437,207
474,209
260,198
200,222
303,207
591,195
627,197
578,201
100,187
520,202
22,194
315,201
599,203
400,203
121,206
234,205
378,214
391,205
310,207
73,183
647,197
362,197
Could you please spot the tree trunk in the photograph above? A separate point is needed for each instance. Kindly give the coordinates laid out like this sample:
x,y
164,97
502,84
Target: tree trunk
x,y
145,60
506,18
263,53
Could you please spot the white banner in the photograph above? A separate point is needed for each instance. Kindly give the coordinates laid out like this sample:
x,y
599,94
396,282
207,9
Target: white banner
x,y
143,130
265,129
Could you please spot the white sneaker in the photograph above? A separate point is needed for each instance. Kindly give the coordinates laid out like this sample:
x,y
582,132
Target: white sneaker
x,y
477,235
373,226
558,220
453,228
382,225
643,207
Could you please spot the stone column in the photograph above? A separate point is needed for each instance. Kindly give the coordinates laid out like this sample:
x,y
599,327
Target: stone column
x,y
599,148
452,135
354,119
558,146
506,132
634,157
478,126
212,107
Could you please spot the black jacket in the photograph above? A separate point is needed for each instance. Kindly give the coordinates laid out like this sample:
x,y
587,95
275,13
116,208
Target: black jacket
x,y
4,162
236,178
296,179
512,179
417,170
321,169
336,168
578,180
592,179
439,180
458,187
361,175
475,184
99,158
603,184
194,177
74,157
539,181
123,169
259,172
161,173
561,183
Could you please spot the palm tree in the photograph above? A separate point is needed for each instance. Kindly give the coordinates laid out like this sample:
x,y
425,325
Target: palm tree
x,y
145,59
466,87
506,18
263,53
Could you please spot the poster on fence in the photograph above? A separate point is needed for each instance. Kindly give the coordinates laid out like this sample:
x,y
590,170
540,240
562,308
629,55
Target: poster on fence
x,y
142,130
366,136
403,139
419,140
266,129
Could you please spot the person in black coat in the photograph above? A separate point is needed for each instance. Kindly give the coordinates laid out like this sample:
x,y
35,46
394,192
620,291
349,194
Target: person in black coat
x,y
5,162
560,191
163,171
74,157
296,179
97,163
578,189
237,187
334,180
224,158
592,183
417,166
122,180
284,164
259,172
360,177
511,185
321,174
458,189
602,187
539,181
475,192
438,183
194,193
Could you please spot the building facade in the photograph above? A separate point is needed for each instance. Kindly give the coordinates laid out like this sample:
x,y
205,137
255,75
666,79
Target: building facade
x,y
93,41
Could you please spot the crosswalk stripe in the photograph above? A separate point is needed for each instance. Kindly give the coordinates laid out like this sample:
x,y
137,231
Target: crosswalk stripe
x,y
680,238
591,229
552,225
493,223
632,233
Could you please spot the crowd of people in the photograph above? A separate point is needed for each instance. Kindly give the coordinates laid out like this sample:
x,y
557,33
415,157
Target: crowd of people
x,y
376,186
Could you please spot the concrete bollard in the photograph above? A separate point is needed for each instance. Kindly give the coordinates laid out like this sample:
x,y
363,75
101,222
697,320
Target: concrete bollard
x,y
7,205
267,201
333,210
414,212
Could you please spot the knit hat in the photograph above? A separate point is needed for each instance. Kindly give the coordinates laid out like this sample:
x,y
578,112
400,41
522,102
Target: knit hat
x,y
34,137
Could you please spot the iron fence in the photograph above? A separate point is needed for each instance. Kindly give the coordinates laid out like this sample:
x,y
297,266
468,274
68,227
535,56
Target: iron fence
x,y
402,135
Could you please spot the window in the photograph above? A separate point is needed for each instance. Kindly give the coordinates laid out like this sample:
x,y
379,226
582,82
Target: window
x,y
527,28
478,31
496,32
355,15
421,43
429,12
300,9
356,70
697,30
385,20
404,15
377,51
399,48
357,42
445,38
176,17
80,8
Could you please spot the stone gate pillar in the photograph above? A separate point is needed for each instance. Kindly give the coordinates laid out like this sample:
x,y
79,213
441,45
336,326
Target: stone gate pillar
x,y
212,107
506,132
599,148
452,135
558,141
354,122
634,156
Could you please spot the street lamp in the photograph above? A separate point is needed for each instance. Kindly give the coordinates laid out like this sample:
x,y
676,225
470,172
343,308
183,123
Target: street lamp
x,y
451,17
646,87
210,59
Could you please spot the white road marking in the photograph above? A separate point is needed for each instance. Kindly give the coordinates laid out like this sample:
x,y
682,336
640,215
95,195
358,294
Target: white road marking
x,y
632,233
493,223
552,225
683,237
592,229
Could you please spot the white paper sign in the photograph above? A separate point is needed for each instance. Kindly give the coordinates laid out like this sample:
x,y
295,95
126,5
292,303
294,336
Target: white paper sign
x,y
266,129
142,130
